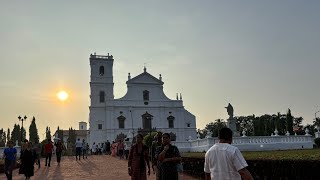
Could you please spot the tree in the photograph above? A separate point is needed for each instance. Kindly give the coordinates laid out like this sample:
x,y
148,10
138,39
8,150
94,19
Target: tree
x,y
72,141
289,122
4,137
24,133
203,133
60,134
316,122
1,134
16,133
8,135
297,127
214,127
33,131
48,133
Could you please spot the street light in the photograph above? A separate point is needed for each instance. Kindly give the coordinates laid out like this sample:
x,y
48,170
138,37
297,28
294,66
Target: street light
x,y
22,119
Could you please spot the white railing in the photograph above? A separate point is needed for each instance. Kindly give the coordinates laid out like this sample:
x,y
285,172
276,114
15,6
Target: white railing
x,y
250,143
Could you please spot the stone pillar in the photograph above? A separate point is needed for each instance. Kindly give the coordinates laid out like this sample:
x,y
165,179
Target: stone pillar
x,y
231,123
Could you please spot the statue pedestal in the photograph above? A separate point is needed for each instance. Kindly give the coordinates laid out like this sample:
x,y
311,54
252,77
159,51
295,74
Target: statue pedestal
x,y
231,123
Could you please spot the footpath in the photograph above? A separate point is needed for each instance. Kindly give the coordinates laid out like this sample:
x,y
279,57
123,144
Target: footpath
x,y
96,167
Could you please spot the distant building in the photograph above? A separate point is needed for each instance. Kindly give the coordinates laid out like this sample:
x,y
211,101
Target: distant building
x,y
82,133
143,109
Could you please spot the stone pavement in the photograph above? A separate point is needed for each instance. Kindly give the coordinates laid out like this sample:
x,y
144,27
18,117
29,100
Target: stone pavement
x,y
96,167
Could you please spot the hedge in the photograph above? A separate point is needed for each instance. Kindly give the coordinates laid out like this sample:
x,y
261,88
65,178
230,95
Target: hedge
x,y
264,169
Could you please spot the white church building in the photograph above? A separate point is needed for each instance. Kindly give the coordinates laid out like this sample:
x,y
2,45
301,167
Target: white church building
x,y
144,108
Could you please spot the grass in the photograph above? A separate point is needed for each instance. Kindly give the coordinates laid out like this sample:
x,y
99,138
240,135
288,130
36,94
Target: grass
x,y
307,154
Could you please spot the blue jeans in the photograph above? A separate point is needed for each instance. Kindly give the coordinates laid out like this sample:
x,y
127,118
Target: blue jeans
x,y
8,167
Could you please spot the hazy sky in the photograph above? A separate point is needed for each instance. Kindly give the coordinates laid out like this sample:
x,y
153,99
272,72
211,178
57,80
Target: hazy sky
x,y
262,57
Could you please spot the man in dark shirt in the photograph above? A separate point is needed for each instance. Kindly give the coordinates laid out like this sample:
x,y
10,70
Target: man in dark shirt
x,y
168,156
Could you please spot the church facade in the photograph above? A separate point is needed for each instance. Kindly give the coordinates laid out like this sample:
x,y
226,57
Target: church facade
x,y
143,109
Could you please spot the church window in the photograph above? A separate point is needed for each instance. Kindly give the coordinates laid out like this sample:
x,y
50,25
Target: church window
x,y
147,121
101,70
81,126
102,95
170,121
121,120
99,126
146,95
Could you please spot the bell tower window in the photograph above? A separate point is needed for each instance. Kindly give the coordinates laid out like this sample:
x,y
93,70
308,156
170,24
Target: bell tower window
x,y
101,70
102,96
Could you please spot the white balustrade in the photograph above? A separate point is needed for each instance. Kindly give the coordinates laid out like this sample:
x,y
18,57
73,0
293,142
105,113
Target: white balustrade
x,y
250,143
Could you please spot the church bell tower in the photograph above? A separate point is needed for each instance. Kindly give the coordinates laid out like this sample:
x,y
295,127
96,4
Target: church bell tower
x,y
101,79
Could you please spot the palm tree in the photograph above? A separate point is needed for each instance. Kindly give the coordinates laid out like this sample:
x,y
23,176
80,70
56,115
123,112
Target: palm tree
x,y
316,123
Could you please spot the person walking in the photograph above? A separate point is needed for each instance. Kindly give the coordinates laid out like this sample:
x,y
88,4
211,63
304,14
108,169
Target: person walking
x,y
84,149
120,148
78,145
48,149
59,149
138,159
168,157
27,160
37,151
94,148
126,150
114,149
9,157
224,161
108,147
154,146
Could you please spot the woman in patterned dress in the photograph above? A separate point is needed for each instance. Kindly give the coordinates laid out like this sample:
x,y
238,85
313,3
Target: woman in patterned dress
x,y
138,158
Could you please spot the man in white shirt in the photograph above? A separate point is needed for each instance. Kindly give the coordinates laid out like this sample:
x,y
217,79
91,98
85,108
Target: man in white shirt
x,y
224,161
78,145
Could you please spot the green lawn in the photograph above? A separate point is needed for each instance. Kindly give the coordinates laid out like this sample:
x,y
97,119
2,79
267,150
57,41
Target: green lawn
x,y
310,154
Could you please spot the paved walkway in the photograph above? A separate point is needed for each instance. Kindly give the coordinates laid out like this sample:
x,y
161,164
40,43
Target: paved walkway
x,y
98,167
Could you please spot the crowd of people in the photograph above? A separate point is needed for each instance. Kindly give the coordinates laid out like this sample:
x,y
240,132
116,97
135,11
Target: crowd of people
x,y
222,160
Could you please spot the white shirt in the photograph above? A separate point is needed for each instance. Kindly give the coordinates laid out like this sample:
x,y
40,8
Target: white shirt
x,y
223,161
78,144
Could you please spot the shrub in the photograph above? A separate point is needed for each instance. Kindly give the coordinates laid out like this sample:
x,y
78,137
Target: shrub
x,y
317,142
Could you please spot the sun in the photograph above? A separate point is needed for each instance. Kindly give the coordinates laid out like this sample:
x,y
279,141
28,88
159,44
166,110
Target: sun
x,y
62,95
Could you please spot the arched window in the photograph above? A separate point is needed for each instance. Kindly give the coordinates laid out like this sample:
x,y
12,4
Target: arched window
x,y
170,121
101,70
147,121
121,121
146,95
102,96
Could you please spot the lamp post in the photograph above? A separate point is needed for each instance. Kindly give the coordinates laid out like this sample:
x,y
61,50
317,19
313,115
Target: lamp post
x,y
132,124
22,119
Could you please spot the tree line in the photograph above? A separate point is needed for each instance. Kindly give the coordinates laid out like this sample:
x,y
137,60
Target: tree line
x,y
264,125
16,136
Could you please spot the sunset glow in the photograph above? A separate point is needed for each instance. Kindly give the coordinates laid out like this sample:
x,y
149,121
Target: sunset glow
x,y
62,95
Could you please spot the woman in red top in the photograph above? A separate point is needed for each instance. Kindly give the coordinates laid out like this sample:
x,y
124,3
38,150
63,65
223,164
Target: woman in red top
x,y
48,148
138,159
